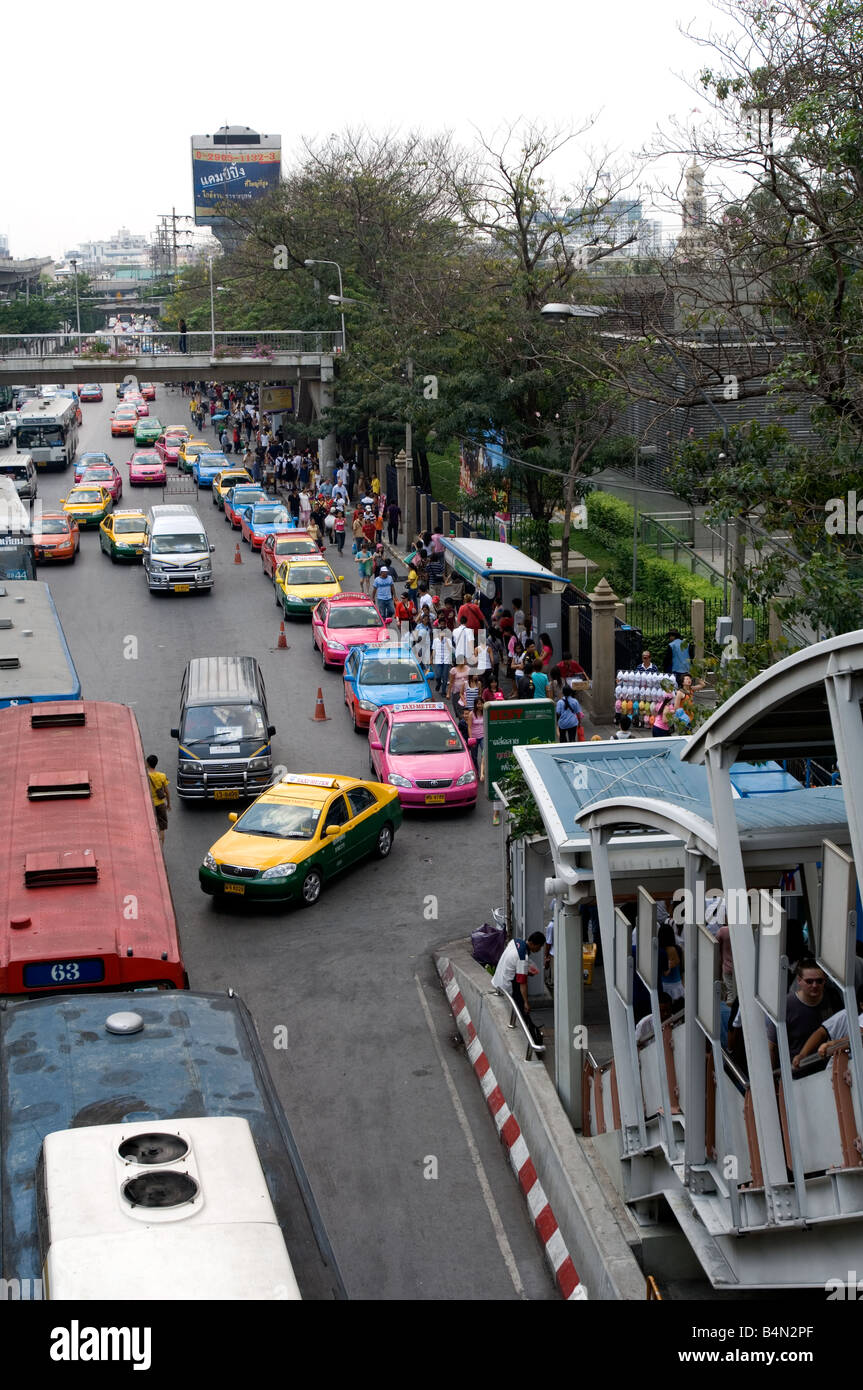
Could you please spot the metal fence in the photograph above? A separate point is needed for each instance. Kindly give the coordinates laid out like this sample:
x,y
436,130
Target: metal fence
x,y
258,346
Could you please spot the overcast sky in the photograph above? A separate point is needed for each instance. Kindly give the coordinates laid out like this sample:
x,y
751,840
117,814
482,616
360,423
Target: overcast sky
x,y
130,91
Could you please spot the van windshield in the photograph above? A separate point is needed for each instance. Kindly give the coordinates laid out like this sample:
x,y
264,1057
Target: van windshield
x,y
183,543
13,470
223,724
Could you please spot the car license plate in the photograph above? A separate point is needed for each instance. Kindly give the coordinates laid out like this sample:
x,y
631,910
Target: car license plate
x,y
436,799
182,588
226,794
235,887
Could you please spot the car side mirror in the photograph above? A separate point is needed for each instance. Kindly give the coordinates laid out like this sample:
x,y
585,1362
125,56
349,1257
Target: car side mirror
x,y
375,743
271,729
341,577
212,548
233,816
175,733
331,830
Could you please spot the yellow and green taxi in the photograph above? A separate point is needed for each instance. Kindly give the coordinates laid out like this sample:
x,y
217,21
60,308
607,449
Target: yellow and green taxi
x,y
147,431
224,481
298,834
189,451
301,583
88,505
122,535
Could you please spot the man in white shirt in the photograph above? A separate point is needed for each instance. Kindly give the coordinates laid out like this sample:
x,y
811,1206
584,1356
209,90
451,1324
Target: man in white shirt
x,y
513,968
462,641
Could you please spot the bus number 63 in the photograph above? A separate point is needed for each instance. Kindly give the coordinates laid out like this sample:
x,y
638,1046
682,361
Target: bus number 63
x,y
65,970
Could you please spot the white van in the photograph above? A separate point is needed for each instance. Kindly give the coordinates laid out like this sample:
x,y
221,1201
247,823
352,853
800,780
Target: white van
x,y
177,550
21,470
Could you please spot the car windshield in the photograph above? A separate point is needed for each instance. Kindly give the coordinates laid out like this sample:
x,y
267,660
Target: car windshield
x,y
86,459
269,515
243,498
353,617
310,574
93,386
425,736
152,424
147,456
96,472
184,543
281,821
13,470
85,496
53,526
223,723
380,671
231,479
38,436
291,545
128,525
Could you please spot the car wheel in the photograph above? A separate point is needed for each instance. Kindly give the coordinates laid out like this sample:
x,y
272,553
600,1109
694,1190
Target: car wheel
x,y
324,660
278,600
357,729
113,557
384,841
312,888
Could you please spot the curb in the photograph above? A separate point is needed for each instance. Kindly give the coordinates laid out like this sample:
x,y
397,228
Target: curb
x,y
543,1218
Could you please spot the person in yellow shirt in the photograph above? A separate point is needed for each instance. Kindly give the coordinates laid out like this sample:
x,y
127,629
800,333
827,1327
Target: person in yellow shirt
x,y
160,794
376,486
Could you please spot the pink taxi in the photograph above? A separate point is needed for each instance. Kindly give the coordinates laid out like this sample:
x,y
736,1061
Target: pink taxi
x,y
419,750
146,467
107,476
345,621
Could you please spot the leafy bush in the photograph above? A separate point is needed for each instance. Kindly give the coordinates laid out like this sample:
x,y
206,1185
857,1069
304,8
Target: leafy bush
x,y
610,521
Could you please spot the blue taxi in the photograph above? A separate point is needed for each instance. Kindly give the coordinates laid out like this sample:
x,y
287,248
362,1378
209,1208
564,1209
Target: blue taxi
x,y
206,466
376,674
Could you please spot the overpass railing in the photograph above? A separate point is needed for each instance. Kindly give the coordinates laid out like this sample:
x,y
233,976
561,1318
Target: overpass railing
x,y
94,348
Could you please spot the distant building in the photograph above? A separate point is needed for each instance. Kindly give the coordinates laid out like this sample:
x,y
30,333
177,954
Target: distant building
x,y
692,244
4,247
613,231
123,249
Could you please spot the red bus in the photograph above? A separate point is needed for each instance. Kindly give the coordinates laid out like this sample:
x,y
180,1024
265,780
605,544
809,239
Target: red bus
x,y
84,892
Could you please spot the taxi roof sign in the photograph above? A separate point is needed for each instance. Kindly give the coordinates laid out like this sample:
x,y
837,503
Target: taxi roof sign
x,y
307,780
417,706
337,598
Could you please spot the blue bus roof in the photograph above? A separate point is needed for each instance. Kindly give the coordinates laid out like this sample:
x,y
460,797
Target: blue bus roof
x,y
45,669
196,1055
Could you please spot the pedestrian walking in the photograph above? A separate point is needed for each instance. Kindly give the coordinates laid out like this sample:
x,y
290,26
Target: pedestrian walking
x,y
441,656
305,508
394,516
339,531
183,339
383,589
365,561
569,716
161,796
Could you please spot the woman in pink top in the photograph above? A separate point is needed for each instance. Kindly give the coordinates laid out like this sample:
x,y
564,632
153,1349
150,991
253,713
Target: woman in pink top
x,y
665,713
476,731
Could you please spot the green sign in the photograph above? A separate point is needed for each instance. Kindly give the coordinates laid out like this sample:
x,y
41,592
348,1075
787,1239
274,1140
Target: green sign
x,y
464,570
509,723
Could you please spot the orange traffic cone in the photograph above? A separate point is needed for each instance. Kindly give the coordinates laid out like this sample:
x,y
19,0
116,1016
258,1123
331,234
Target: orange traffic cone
x,y
283,641
320,713
238,559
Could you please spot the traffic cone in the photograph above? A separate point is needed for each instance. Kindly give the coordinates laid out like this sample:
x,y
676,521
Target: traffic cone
x,y
320,713
283,641
238,559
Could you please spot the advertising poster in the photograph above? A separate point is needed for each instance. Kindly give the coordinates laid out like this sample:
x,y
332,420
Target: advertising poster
x,y
229,174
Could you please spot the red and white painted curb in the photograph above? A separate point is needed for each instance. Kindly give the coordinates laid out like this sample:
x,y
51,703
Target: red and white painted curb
x,y
547,1229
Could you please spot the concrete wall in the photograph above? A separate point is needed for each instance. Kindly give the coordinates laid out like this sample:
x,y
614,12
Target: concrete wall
x,y
590,1218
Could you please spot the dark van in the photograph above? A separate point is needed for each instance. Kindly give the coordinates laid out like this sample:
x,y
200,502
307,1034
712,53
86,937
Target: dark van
x,y
224,730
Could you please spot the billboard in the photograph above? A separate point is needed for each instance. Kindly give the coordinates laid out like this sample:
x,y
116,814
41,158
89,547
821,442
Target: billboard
x,y
276,398
232,169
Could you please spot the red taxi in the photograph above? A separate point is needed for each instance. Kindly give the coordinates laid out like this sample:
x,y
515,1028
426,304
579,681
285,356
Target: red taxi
x,y
277,547
168,445
419,749
345,621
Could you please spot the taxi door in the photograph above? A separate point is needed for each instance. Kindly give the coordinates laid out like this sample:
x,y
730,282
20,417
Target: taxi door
x,y
337,851
106,534
364,823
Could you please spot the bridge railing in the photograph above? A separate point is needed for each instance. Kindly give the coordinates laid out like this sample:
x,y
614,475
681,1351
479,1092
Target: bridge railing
x,y
88,347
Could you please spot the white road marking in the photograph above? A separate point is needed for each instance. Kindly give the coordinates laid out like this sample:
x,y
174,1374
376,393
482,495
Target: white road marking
x,y
485,1187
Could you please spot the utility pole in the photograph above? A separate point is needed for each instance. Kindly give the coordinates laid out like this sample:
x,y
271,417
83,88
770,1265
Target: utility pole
x,y
408,426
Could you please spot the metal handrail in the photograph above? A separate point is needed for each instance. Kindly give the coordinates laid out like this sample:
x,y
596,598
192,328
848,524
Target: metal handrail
x,y
166,343
514,1013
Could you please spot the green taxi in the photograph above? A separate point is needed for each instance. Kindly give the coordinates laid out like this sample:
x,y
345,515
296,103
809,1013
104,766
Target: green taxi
x,y
88,505
122,535
299,833
147,430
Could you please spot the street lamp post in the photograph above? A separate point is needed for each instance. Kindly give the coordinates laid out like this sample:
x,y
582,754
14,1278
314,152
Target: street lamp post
x,y
642,451
212,310
312,262
74,265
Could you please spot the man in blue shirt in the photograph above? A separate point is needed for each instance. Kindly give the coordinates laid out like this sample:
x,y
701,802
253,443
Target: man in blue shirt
x,y
678,656
383,589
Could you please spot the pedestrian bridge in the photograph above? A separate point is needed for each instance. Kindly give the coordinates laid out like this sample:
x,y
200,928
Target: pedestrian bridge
x,y
31,359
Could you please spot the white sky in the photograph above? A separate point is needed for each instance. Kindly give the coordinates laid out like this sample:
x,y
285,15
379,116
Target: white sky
x,y
132,89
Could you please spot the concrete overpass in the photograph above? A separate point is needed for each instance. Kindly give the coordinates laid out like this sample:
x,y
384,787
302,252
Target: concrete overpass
x,y
288,358
15,274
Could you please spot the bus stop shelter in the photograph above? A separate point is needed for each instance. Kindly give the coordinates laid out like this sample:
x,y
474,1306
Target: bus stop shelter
x,y
490,567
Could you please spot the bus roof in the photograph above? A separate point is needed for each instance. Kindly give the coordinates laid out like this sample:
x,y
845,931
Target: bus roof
x,y
197,1055
59,410
35,662
84,896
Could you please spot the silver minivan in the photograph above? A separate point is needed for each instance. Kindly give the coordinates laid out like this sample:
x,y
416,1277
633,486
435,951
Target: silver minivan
x,y
21,470
177,550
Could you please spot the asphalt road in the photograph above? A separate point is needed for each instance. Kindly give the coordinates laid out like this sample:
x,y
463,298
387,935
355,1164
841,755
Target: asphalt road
x,y
413,1184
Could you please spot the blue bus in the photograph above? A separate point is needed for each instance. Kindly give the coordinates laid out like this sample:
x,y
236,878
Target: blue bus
x,y
146,1156
35,661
